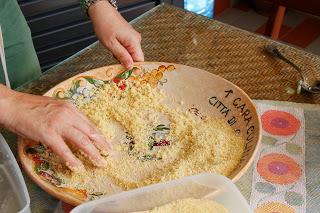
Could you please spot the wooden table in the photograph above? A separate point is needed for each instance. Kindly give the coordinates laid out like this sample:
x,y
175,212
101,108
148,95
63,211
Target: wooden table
x,y
174,35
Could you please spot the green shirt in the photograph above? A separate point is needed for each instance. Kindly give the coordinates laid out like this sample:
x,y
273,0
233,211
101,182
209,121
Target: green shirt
x,y
21,58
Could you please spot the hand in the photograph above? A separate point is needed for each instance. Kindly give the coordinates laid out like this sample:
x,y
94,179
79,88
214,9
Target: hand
x,y
52,122
116,33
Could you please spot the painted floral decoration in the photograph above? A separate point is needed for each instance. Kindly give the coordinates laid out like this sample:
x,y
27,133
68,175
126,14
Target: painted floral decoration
x,y
82,89
274,207
280,123
279,169
42,166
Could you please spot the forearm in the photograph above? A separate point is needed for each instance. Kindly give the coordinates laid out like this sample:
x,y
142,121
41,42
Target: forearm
x,y
8,102
114,32
86,4
101,7
5,94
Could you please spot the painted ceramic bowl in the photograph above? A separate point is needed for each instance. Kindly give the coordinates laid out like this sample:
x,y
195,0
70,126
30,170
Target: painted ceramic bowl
x,y
201,91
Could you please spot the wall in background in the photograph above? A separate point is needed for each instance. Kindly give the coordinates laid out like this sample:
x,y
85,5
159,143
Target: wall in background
x,y
60,28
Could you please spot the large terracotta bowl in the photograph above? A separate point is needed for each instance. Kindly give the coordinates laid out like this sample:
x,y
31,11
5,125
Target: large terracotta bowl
x,y
209,94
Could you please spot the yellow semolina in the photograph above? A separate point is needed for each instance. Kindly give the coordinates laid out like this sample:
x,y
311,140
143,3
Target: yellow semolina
x,y
153,141
189,205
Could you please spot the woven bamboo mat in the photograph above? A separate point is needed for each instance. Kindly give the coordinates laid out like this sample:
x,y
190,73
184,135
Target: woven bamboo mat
x,y
172,35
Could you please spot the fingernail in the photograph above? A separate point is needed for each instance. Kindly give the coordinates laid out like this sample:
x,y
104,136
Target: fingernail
x,y
77,167
115,155
99,162
128,64
109,147
105,152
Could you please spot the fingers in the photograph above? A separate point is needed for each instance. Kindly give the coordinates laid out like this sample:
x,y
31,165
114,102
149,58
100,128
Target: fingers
x,y
137,54
120,53
86,126
133,46
58,146
83,142
85,136
126,49
116,34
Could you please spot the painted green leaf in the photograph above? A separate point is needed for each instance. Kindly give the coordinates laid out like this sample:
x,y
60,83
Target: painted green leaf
x,y
40,149
150,145
97,194
265,188
293,198
90,80
145,157
148,157
293,149
161,127
60,181
77,84
94,81
74,87
42,167
125,75
68,94
268,140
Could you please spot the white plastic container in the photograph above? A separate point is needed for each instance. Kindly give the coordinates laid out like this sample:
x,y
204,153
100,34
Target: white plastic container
x,y
14,196
206,185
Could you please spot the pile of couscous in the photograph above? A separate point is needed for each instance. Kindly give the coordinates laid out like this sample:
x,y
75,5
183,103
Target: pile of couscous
x,y
190,205
154,138
152,142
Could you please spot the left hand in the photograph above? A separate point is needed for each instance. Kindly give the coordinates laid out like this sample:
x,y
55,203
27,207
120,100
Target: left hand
x,y
55,123
116,33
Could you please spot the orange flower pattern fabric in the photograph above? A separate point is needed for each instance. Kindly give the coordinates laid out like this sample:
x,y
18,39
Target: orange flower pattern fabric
x,y
280,123
278,169
273,207
278,182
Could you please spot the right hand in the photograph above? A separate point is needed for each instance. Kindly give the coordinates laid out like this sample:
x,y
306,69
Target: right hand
x,y
52,122
116,33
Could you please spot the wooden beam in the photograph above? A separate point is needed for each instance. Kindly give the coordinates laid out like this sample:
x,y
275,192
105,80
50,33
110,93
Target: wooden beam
x,y
278,22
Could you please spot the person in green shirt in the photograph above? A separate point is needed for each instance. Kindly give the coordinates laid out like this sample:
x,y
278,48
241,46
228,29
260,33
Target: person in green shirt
x,y
45,119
